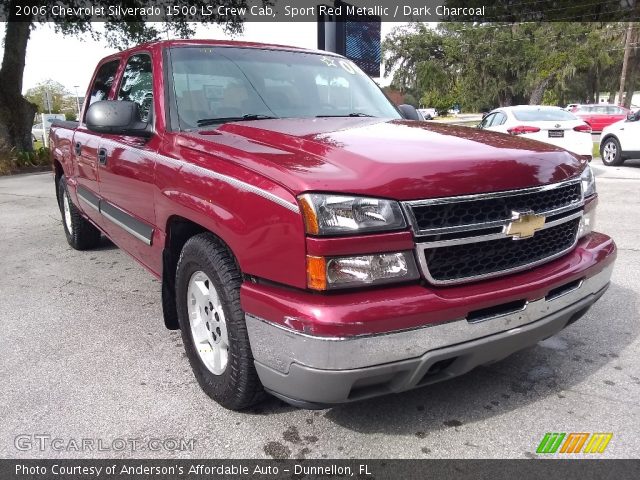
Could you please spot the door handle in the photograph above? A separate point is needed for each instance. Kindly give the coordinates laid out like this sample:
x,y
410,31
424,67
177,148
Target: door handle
x,y
77,148
102,156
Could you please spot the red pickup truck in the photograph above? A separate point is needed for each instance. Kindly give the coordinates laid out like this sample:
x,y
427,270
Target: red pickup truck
x,y
313,242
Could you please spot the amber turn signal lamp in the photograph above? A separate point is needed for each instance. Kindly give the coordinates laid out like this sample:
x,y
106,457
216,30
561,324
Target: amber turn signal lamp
x,y
316,273
309,216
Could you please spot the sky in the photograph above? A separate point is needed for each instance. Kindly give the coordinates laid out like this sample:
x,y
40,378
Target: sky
x,y
71,60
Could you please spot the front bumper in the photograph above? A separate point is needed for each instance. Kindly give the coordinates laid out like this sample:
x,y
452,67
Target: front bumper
x,y
314,371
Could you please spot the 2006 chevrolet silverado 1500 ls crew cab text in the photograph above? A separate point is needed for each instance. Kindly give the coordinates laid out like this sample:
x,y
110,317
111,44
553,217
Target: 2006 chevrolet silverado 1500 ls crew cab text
x,y
313,243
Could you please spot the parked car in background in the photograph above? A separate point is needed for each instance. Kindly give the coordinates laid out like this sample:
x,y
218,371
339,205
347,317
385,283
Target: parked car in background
x,y
571,106
428,113
621,140
37,133
600,116
546,124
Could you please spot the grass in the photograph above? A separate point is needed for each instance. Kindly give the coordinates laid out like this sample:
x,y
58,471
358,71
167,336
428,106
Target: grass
x,y
596,150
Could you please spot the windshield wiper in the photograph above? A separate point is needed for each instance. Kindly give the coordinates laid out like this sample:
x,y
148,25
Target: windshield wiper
x,y
353,114
251,116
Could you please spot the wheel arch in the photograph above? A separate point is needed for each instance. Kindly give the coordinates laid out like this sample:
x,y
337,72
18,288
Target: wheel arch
x,y
179,230
58,171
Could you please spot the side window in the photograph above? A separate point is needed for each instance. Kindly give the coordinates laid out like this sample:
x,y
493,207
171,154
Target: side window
x,y
103,81
137,85
487,120
499,119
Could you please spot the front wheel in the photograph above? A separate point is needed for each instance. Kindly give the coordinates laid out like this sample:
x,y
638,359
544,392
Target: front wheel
x,y
611,152
212,323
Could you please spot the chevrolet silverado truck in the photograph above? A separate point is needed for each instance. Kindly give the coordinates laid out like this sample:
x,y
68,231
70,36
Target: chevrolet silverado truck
x,y
313,241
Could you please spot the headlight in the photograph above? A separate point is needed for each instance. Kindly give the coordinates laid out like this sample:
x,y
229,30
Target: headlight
x,y
588,182
326,214
325,273
587,223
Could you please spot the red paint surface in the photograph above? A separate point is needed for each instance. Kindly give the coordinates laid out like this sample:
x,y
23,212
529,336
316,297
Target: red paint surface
x,y
173,175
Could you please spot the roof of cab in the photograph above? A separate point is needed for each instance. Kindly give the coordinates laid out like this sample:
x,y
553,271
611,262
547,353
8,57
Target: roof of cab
x,y
160,44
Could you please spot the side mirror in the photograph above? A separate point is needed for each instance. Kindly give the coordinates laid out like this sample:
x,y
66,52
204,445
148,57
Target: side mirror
x,y
633,117
409,112
117,117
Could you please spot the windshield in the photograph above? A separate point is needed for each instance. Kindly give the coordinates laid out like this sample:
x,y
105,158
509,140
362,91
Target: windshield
x,y
213,85
543,114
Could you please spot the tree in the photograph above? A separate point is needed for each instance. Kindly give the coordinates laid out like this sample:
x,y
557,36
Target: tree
x,y
16,112
484,65
56,93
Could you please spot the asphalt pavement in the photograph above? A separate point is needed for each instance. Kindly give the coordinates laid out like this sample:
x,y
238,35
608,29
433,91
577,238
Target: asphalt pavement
x,y
84,355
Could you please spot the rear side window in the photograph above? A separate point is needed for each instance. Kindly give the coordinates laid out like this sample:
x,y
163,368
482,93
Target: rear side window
x,y
487,120
137,84
543,114
103,81
499,119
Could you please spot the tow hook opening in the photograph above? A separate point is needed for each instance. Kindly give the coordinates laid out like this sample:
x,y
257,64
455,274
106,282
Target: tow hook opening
x,y
483,314
564,289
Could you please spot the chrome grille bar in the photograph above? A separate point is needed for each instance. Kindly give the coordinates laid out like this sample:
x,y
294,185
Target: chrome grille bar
x,y
477,232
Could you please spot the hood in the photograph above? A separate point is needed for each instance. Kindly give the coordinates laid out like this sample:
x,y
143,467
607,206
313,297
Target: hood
x,y
396,159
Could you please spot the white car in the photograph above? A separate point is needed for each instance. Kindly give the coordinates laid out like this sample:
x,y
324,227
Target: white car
x,y
37,133
543,123
428,113
621,140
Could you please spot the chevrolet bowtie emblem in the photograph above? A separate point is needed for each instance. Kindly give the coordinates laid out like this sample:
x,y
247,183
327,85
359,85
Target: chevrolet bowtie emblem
x,y
524,224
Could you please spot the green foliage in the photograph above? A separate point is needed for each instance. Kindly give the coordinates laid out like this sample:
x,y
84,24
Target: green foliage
x,y
550,98
12,161
38,157
411,100
55,92
486,65
441,102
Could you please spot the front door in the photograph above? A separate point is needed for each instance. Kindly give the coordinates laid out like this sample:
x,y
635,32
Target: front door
x,y
127,170
86,143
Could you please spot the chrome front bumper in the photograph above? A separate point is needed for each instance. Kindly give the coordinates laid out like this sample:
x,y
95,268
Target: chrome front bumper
x,y
313,371
277,347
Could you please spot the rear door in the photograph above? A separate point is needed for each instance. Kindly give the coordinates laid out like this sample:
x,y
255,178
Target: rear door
x,y
600,117
86,143
127,169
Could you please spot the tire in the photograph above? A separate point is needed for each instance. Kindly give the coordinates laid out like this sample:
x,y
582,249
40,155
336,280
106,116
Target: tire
x,y
212,323
611,153
81,233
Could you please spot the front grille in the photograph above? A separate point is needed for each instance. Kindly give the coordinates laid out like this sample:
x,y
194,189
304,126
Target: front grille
x,y
487,258
453,212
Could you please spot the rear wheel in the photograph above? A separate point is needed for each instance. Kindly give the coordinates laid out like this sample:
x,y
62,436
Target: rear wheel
x,y
212,323
611,152
81,233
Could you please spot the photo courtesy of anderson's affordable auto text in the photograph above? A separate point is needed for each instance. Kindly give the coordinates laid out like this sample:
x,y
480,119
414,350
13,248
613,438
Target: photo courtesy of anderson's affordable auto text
x,y
294,239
